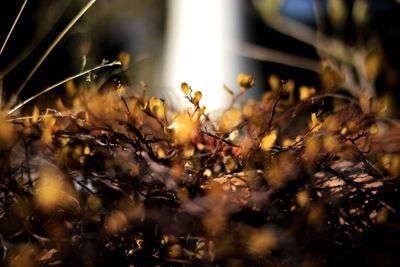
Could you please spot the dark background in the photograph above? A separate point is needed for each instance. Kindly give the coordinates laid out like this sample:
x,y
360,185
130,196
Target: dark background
x,y
383,24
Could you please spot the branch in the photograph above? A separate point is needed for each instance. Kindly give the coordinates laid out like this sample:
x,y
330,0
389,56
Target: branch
x,y
60,83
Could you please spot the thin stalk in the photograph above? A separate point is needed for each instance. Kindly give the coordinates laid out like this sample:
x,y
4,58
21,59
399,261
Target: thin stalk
x,y
51,47
13,26
60,83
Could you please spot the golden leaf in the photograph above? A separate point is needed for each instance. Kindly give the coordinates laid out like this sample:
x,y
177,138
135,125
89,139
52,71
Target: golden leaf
x,y
154,101
306,92
6,132
185,88
261,241
156,106
35,114
315,123
183,127
245,80
124,58
197,97
302,198
248,108
230,119
330,143
268,140
274,82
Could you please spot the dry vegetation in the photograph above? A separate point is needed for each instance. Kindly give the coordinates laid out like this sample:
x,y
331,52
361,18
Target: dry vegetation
x,y
114,177
118,178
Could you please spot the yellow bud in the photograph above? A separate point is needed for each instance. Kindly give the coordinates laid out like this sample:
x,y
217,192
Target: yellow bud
x,y
185,88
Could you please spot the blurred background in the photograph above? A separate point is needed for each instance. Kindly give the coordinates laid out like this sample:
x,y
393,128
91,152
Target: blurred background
x,y
351,44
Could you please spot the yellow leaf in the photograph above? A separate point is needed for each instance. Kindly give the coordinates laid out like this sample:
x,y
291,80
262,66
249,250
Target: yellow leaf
x,y
373,65
124,58
245,80
35,114
268,140
154,101
330,143
315,124
197,97
248,108
274,82
183,127
230,119
156,106
303,198
287,142
86,150
306,92
185,88
374,129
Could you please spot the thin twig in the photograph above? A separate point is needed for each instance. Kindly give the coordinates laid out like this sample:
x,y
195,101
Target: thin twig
x,y
218,138
51,47
273,111
261,53
60,83
36,40
13,26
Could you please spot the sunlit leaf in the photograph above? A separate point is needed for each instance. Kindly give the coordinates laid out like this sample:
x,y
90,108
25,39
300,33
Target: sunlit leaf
x,y
303,198
248,108
261,241
245,80
35,114
230,119
268,140
330,143
374,129
197,97
6,132
185,88
184,128
315,123
274,82
373,65
306,92
124,58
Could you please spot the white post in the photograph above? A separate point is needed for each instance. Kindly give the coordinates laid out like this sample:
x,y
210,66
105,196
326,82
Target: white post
x,y
199,37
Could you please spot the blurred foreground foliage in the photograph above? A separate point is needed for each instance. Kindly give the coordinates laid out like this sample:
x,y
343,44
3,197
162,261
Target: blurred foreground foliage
x,y
116,177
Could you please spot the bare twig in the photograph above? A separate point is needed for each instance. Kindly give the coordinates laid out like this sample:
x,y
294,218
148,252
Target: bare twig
x,y
218,138
267,54
114,63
